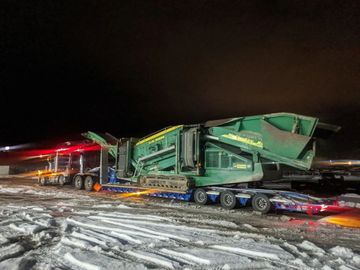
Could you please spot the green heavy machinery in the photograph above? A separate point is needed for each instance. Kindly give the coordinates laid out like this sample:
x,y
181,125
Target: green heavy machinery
x,y
241,151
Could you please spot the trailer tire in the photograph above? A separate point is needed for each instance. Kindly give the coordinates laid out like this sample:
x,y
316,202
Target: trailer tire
x,y
228,200
61,180
261,203
42,181
200,196
89,183
79,182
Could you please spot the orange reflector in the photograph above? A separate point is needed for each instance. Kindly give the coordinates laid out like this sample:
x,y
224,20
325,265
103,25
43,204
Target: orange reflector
x,y
97,187
347,219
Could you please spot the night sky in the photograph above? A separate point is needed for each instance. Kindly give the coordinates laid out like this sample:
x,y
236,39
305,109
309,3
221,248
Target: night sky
x,y
133,67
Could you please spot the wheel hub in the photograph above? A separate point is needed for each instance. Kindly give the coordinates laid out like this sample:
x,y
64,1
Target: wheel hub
x,y
262,203
88,184
201,197
228,199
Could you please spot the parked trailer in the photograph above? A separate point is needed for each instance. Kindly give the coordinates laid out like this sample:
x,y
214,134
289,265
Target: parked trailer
x,y
261,200
209,162
66,163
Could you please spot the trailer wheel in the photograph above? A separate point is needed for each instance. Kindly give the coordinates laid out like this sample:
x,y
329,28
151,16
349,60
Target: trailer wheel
x,y
200,196
261,203
42,181
61,180
89,183
228,200
79,182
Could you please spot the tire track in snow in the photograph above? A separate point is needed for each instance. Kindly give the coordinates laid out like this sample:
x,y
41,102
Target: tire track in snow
x,y
11,251
157,261
246,252
127,238
70,241
167,235
89,239
142,222
271,257
104,236
191,258
131,216
82,265
121,231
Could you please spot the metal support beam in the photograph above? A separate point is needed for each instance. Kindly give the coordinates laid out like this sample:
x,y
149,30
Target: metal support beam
x,y
56,162
104,163
81,163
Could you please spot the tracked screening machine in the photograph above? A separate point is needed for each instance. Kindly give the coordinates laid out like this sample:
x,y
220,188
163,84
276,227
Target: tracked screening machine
x,y
243,150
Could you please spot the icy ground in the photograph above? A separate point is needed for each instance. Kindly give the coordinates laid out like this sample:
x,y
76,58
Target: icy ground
x,y
54,228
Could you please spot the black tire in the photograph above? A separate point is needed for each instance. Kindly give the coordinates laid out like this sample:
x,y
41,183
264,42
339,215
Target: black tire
x,y
200,196
228,200
78,182
42,181
61,179
261,203
89,183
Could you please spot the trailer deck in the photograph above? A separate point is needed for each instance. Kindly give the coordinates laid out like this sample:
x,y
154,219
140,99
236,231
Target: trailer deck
x,y
280,199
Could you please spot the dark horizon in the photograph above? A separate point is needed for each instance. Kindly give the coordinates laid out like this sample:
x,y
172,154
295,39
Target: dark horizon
x,y
132,67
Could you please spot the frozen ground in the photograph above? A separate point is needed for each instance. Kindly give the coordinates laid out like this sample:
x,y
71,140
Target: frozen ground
x,y
58,228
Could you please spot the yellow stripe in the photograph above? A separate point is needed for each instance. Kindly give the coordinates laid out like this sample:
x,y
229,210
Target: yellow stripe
x,y
244,140
158,134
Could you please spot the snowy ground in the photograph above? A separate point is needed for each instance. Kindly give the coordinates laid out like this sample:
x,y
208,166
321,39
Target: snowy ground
x,y
58,228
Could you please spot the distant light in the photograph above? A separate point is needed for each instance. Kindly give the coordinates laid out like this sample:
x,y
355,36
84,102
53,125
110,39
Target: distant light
x,y
14,147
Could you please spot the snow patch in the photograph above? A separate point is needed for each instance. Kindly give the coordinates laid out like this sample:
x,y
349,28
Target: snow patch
x,y
250,227
38,209
344,267
102,206
308,246
3,240
239,235
25,228
356,260
226,267
121,206
342,252
11,264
